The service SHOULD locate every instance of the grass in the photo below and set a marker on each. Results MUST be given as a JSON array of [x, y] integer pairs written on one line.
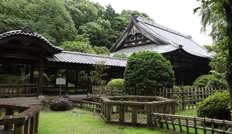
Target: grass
[[191, 112], [83, 122]]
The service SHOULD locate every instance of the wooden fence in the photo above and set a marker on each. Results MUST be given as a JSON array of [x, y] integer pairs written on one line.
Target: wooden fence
[[87, 105], [190, 124], [186, 97], [98, 91], [19, 119], [134, 109], [16, 90]]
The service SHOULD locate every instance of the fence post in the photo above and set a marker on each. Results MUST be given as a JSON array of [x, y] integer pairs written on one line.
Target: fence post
[[182, 98], [149, 114], [134, 115], [10, 126], [121, 113], [19, 128], [108, 112]]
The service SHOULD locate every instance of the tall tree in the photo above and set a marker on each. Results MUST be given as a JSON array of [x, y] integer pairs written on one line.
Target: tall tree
[[47, 17], [218, 14]]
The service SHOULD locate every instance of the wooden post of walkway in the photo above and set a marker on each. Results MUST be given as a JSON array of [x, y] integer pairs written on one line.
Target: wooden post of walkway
[[41, 72]]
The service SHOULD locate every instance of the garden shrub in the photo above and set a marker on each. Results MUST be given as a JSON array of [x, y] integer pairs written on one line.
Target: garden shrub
[[210, 80], [219, 83], [202, 81], [147, 71], [115, 84], [215, 106]]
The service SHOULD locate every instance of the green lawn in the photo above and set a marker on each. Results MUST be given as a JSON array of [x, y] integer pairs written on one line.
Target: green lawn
[[83, 122], [192, 112]]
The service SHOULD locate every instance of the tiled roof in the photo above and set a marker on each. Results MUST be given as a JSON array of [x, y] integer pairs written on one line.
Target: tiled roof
[[154, 31], [84, 58], [151, 47], [27, 32]]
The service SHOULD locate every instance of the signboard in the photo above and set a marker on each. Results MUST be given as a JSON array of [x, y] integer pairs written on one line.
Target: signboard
[[60, 81]]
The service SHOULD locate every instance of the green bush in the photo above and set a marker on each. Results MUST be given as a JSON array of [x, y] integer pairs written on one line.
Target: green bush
[[219, 83], [115, 84], [147, 71], [210, 80], [202, 81], [215, 106]]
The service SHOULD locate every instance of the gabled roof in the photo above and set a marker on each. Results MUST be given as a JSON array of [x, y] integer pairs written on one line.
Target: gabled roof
[[84, 58], [28, 33], [164, 39]]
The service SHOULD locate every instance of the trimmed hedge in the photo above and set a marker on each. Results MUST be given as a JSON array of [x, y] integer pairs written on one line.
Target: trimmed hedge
[[115, 84], [210, 80], [215, 106], [147, 71]]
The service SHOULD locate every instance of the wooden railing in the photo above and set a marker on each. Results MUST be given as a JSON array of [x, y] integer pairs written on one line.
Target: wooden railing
[[17, 119], [16, 90], [134, 109], [98, 91], [187, 97], [190, 124], [87, 105]]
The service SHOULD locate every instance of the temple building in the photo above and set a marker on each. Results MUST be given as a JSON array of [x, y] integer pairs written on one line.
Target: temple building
[[189, 59]]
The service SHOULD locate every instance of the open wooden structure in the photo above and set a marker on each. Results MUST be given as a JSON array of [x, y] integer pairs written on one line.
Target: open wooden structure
[[38, 63], [17, 119], [116, 109]]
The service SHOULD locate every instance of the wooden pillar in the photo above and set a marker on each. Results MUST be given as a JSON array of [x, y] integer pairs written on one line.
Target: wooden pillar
[[77, 80], [89, 83], [66, 84], [32, 74], [41, 72]]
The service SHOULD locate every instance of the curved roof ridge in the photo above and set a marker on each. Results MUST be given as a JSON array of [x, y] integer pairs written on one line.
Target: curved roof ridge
[[30, 34], [164, 38], [152, 23]]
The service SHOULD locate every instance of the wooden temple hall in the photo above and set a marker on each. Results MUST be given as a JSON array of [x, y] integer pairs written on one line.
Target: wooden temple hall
[[30, 64], [189, 59]]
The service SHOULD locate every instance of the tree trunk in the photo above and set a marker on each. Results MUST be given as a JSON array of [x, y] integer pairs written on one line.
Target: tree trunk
[[228, 13]]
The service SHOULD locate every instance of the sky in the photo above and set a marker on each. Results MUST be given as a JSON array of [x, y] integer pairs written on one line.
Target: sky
[[175, 14]]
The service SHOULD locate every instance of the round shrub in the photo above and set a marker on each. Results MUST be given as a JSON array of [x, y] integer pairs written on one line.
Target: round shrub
[[147, 71], [202, 81], [215, 106], [115, 84], [210, 80], [219, 83]]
